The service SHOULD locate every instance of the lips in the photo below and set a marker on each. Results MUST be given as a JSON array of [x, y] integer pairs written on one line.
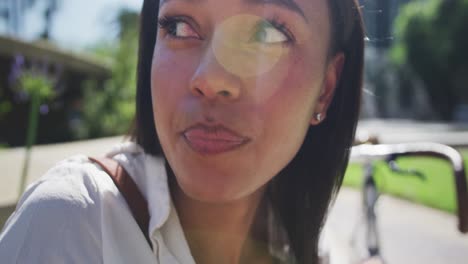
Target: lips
[[210, 140]]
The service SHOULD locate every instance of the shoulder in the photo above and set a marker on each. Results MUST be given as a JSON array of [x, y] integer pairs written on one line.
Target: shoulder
[[61, 212], [71, 183]]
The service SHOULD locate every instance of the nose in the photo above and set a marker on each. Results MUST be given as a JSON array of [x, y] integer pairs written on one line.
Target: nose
[[212, 81]]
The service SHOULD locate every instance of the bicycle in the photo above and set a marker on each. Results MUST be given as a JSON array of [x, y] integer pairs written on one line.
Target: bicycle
[[370, 193]]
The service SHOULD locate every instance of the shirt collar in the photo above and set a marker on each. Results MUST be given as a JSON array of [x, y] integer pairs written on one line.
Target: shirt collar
[[149, 174], [157, 192]]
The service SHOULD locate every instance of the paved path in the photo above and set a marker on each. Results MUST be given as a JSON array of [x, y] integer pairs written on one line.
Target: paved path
[[410, 233], [42, 158], [400, 131]]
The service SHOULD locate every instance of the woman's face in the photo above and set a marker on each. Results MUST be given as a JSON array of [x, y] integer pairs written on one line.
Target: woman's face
[[235, 85]]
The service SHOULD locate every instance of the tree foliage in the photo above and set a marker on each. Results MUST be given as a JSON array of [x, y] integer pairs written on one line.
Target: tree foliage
[[108, 108], [432, 38]]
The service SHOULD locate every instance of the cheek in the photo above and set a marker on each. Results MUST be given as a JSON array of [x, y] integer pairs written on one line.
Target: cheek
[[168, 72], [287, 112], [296, 78], [170, 75], [294, 86], [168, 82]]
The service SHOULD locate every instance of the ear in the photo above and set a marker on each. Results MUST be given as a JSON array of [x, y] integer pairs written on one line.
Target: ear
[[332, 77]]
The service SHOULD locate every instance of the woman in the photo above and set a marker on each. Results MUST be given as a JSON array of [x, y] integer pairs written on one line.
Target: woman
[[246, 111]]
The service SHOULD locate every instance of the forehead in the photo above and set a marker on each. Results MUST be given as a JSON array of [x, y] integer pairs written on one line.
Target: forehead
[[307, 9]]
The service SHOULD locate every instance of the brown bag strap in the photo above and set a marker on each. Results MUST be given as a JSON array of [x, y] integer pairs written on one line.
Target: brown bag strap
[[129, 190]]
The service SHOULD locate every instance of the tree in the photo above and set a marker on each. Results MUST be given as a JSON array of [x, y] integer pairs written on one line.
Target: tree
[[14, 14], [109, 109], [432, 38]]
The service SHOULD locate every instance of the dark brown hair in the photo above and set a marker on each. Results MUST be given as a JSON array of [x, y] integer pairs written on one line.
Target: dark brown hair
[[302, 191]]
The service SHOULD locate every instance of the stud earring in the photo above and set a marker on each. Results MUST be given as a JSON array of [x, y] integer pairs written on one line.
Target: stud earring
[[318, 117]]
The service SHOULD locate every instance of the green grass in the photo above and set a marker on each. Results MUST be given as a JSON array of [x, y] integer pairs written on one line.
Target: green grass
[[438, 190]]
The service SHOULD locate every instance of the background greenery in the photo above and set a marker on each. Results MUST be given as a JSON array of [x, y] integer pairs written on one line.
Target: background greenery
[[431, 38], [109, 110], [437, 191]]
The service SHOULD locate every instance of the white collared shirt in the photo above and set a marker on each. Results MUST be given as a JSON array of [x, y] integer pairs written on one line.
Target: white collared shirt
[[75, 214]]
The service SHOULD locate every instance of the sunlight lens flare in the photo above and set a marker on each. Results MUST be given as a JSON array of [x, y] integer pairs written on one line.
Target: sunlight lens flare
[[247, 45]]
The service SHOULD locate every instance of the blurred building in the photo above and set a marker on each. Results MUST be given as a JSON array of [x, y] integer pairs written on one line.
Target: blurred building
[[69, 73], [379, 16], [389, 92]]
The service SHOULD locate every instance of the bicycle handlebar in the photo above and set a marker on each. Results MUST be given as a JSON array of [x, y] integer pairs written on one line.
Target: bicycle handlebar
[[437, 150]]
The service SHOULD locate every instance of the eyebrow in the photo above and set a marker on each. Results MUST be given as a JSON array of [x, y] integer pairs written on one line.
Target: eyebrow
[[288, 4]]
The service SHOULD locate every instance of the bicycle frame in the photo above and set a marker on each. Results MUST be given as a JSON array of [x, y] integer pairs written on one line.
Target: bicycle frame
[[390, 153]]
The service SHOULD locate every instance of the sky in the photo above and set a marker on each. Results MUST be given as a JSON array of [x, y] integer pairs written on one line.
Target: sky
[[79, 24]]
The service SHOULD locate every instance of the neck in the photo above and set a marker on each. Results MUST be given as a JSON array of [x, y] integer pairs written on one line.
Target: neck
[[221, 232]]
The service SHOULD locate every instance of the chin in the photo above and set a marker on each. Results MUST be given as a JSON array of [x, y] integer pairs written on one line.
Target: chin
[[223, 178], [212, 189], [210, 193]]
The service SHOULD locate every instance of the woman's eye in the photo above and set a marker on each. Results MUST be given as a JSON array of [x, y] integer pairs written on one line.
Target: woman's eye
[[268, 33], [177, 28]]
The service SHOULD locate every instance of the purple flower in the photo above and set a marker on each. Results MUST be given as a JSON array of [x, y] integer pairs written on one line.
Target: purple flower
[[41, 68], [16, 69], [44, 109]]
